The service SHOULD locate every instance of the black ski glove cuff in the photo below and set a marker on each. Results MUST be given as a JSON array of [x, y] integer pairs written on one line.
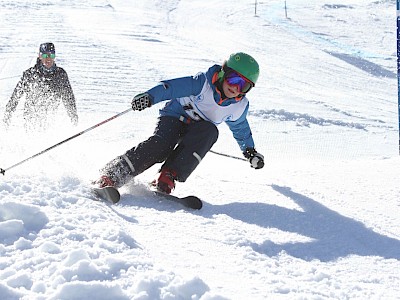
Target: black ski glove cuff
[[256, 159]]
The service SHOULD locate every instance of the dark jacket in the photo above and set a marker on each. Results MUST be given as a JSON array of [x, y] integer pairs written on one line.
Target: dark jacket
[[44, 91]]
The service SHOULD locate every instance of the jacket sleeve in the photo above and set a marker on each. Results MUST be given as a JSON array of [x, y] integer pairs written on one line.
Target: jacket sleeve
[[19, 90], [241, 131], [176, 88], [67, 96]]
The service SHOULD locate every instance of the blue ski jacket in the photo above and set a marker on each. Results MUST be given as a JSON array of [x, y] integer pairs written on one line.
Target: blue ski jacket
[[179, 89]]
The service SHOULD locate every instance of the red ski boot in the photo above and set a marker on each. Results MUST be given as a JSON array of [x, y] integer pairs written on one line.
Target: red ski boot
[[166, 181]]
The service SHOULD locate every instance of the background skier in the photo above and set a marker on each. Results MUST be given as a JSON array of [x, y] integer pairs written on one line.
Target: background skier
[[44, 86]]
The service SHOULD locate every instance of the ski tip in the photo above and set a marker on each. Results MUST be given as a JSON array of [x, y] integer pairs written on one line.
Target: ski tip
[[198, 205], [193, 202], [108, 193]]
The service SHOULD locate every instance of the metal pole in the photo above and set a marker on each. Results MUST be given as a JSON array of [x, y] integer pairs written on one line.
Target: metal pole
[[227, 155], [398, 63], [285, 10], [2, 171]]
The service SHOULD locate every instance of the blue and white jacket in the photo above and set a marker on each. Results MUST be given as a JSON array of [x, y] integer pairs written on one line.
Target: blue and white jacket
[[197, 98]]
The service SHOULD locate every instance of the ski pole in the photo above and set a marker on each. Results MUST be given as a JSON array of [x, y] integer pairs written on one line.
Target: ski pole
[[227, 155], [2, 171]]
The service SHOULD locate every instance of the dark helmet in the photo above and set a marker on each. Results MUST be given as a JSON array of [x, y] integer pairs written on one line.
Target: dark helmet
[[47, 48], [245, 65]]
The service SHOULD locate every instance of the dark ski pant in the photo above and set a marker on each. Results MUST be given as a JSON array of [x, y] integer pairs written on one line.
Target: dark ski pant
[[179, 145]]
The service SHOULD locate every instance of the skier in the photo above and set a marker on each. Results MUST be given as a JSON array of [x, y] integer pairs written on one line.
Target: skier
[[44, 85], [186, 129]]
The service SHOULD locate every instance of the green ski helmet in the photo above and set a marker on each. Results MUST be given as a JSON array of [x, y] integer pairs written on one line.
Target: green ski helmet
[[243, 64]]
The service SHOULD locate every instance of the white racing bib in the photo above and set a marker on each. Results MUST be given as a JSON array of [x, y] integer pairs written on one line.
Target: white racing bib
[[203, 106]]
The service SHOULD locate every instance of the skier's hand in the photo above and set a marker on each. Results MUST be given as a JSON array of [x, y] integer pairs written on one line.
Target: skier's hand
[[141, 101], [256, 159]]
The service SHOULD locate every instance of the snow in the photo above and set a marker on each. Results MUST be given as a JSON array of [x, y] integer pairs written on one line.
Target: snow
[[319, 221]]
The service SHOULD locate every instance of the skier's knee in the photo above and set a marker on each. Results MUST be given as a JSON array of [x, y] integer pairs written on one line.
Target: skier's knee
[[208, 131]]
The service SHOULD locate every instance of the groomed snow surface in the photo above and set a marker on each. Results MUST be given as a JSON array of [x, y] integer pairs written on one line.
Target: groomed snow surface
[[319, 221]]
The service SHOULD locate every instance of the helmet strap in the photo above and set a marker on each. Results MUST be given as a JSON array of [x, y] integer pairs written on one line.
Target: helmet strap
[[221, 75]]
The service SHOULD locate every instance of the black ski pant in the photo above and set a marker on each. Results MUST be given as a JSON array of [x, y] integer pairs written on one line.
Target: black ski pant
[[179, 146]]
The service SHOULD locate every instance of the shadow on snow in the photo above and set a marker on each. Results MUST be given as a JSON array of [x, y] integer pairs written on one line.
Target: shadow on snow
[[334, 235]]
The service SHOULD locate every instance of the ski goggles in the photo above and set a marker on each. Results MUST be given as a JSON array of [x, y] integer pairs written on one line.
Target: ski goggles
[[234, 78], [48, 55]]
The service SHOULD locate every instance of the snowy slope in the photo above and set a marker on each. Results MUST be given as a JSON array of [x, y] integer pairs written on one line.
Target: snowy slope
[[320, 221]]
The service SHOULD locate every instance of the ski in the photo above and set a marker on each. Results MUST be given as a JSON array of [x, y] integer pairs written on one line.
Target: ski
[[111, 194], [188, 201], [108, 193]]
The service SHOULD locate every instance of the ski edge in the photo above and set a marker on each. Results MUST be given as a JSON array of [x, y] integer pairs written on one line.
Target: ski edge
[[191, 201]]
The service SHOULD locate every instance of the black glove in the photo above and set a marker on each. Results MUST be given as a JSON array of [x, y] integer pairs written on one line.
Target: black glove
[[141, 101], [256, 159]]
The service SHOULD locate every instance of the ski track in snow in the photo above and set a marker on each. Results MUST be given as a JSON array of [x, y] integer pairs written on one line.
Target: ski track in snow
[[320, 221]]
